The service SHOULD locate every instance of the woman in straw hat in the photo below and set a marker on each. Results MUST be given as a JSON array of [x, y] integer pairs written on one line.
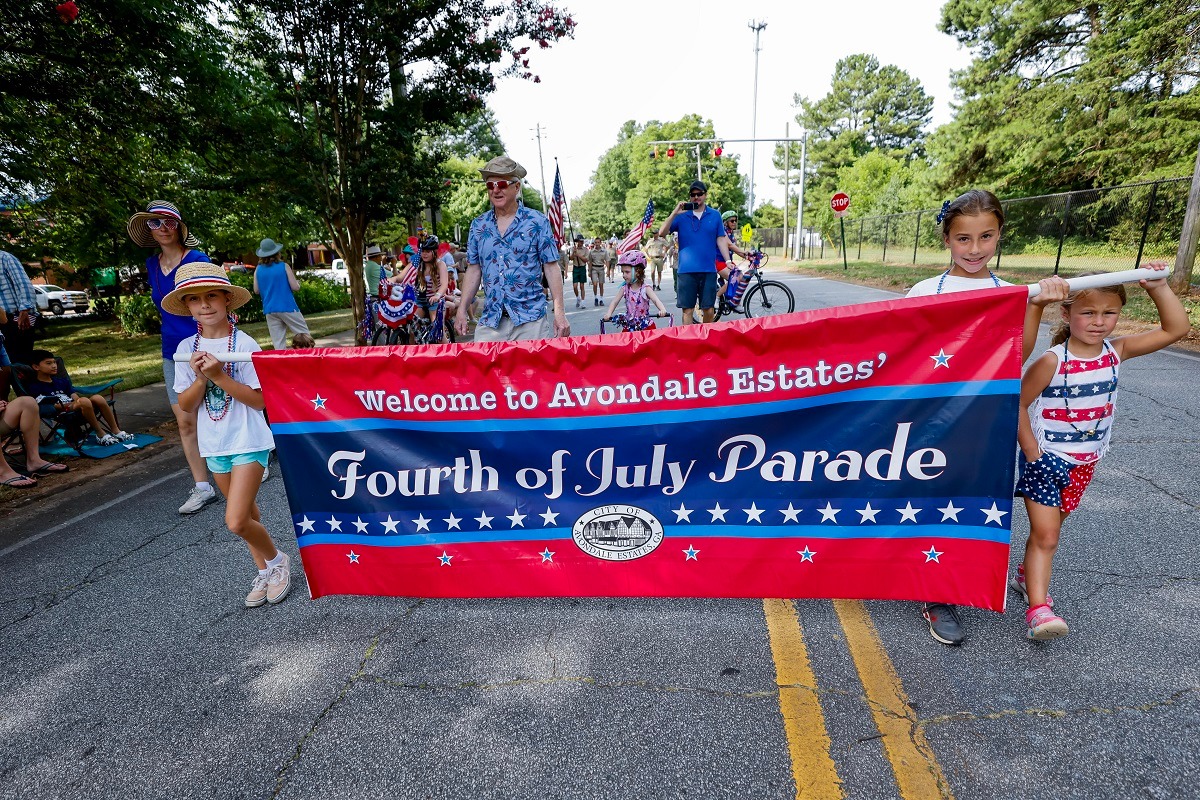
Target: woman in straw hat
[[232, 434], [160, 226], [275, 281]]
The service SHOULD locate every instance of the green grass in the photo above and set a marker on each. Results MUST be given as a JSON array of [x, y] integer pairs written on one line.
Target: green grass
[[898, 277], [96, 351]]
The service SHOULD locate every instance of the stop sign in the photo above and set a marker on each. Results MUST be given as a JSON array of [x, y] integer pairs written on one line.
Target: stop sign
[[840, 203]]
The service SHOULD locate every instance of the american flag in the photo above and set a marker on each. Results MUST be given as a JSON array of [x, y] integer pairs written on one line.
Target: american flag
[[634, 238], [557, 203]]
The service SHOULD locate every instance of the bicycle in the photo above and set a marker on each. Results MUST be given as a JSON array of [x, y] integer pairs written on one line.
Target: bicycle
[[629, 324], [763, 298]]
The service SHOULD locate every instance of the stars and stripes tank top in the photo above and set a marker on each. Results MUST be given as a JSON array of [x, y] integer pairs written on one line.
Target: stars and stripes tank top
[[1073, 417]]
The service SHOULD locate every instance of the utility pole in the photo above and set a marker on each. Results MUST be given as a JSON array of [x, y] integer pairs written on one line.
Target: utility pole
[[800, 204], [756, 26], [787, 184], [1188, 237], [542, 170]]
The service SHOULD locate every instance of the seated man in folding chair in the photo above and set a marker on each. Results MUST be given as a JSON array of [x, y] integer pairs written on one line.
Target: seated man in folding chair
[[54, 393], [21, 415]]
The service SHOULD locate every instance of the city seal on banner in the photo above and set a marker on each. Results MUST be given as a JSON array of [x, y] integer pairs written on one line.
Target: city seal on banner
[[617, 532]]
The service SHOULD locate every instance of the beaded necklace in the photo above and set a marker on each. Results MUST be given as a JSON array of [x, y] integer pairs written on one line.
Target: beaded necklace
[[227, 368], [942, 280], [1112, 365]]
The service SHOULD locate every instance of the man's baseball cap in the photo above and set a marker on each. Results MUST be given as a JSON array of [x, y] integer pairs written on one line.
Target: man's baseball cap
[[698, 186], [579, 237], [502, 167]]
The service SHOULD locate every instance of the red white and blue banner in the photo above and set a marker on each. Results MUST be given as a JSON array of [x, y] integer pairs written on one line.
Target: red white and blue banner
[[856, 452]]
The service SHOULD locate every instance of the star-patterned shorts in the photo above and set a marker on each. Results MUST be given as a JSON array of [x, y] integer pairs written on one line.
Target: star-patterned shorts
[[1054, 481]]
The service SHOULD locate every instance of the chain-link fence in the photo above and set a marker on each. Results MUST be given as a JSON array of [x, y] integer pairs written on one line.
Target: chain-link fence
[[1108, 229]]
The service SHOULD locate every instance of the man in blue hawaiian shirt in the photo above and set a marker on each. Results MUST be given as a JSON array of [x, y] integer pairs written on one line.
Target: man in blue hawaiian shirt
[[510, 249]]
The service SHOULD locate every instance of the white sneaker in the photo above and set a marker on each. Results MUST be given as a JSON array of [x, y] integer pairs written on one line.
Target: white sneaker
[[266, 473], [122, 436], [107, 440], [198, 499], [279, 580], [258, 592]]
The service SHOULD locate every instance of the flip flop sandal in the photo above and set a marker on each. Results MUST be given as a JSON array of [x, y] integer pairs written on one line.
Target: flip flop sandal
[[19, 482], [50, 469]]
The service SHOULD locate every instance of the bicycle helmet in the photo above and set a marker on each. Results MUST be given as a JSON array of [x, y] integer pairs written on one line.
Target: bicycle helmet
[[728, 215], [632, 258], [430, 243]]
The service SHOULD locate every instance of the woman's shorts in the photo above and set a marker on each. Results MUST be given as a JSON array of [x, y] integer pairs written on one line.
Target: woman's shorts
[[221, 465], [697, 287], [169, 377], [1053, 481]]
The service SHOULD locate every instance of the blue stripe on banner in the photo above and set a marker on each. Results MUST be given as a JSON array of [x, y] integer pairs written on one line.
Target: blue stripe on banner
[[988, 534], [689, 415]]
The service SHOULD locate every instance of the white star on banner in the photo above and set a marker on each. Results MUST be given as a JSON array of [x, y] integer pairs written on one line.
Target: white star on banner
[[452, 522], [932, 555], [690, 554], [517, 520], [718, 512], [353, 556], [318, 403], [806, 555], [359, 525], [445, 559], [908, 512], [790, 513], [306, 525], [390, 525], [682, 514], [994, 514], [550, 517], [422, 523], [942, 359], [335, 524], [829, 513], [484, 520], [867, 513], [753, 513], [950, 511], [547, 556]]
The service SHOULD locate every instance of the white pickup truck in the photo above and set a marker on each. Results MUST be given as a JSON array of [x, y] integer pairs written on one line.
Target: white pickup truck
[[58, 301], [336, 272]]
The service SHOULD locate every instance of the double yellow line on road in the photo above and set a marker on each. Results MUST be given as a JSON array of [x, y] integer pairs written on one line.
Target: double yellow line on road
[[918, 776]]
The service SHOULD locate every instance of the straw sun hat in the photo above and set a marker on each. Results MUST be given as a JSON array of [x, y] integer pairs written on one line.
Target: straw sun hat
[[159, 209], [197, 278]]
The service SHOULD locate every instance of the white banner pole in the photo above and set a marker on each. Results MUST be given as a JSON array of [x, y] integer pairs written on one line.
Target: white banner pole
[[1107, 279], [183, 358]]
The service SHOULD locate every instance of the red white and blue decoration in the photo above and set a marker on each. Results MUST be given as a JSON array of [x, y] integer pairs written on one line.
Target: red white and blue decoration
[[857, 452]]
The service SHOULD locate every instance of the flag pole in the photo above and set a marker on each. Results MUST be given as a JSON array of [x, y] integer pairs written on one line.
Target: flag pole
[[566, 205]]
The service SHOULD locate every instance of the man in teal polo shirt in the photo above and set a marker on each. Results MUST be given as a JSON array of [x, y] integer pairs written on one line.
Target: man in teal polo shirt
[[702, 242]]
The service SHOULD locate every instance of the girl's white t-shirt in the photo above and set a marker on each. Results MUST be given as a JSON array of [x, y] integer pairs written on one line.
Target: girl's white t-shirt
[[242, 429], [954, 283]]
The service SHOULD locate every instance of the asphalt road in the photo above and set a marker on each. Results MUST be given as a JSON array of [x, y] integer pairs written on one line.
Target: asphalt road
[[132, 669]]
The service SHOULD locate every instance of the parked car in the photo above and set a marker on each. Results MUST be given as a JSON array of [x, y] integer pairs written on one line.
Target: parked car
[[336, 272], [58, 301]]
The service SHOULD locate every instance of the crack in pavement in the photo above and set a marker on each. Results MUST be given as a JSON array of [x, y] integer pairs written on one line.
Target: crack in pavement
[[1059, 713], [1184, 500], [281, 774], [1157, 401], [578, 680]]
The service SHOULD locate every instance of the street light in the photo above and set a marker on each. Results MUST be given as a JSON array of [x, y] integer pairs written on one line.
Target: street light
[[757, 27]]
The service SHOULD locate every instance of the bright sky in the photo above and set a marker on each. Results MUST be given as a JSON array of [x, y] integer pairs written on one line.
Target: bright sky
[[627, 62]]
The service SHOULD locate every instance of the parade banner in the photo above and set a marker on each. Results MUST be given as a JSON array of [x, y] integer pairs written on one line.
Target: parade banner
[[855, 452]]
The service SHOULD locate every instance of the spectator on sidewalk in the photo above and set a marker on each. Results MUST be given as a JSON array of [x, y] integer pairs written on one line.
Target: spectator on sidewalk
[[161, 226], [275, 281], [18, 312], [22, 415], [54, 393]]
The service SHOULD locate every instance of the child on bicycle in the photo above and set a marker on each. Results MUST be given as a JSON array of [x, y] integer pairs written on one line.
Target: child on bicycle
[[1071, 392], [637, 295], [233, 435], [433, 281]]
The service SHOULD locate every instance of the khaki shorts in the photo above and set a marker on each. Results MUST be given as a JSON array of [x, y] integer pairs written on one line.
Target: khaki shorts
[[507, 332], [597, 274]]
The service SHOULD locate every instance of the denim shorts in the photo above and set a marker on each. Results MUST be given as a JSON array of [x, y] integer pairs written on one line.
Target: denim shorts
[[697, 286], [220, 465], [4, 362]]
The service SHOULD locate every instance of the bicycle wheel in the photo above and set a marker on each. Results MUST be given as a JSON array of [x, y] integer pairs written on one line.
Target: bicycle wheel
[[767, 299], [397, 336], [381, 336]]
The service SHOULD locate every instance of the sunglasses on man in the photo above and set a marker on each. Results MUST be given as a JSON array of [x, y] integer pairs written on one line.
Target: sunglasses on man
[[155, 224], [493, 186], [697, 194]]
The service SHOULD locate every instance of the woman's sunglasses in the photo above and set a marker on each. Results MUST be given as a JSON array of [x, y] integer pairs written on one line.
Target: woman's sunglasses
[[155, 224], [498, 185]]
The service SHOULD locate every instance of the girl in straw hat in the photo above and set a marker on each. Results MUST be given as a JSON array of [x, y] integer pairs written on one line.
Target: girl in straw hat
[[232, 434], [160, 226]]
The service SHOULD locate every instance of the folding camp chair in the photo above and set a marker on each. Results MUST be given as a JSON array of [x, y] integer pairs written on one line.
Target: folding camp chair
[[70, 425]]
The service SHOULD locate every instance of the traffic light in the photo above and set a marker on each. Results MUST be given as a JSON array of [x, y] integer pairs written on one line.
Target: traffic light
[[717, 151], [670, 152]]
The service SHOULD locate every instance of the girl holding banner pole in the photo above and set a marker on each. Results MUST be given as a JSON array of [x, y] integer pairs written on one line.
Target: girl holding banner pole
[[971, 226], [1071, 392]]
